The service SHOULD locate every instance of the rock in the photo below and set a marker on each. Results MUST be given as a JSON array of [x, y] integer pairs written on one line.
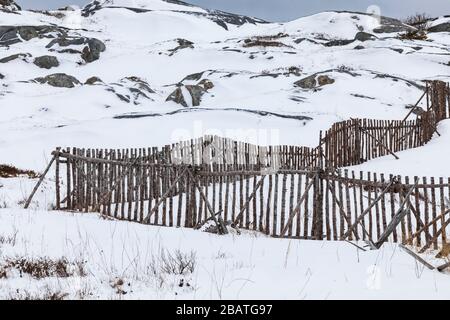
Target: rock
[[397, 50], [14, 57], [46, 62], [10, 35], [67, 41], [91, 51], [335, 43], [2, 76], [177, 97], [182, 44], [60, 80], [9, 5], [69, 51], [364, 36], [324, 80], [196, 93], [307, 83], [359, 47], [193, 77], [443, 27], [93, 80], [206, 84]]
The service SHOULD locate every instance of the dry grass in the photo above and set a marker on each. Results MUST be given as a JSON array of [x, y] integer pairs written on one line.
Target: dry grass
[[47, 294], [9, 239], [43, 267], [8, 171], [249, 43], [413, 35]]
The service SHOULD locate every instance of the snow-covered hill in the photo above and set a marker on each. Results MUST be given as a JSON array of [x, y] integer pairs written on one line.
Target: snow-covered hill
[[140, 73], [73, 77]]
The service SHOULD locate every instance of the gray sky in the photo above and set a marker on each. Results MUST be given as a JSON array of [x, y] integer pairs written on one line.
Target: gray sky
[[283, 10]]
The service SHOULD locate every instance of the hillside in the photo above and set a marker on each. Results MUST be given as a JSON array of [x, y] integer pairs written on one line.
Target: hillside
[[141, 73], [118, 61]]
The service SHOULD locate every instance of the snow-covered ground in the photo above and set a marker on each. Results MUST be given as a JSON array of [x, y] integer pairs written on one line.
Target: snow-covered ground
[[247, 266], [241, 67]]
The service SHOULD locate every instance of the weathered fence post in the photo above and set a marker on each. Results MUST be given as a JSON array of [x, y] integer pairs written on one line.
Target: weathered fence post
[[57, 186]]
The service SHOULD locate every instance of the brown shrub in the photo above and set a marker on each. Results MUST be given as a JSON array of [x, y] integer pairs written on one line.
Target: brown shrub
[[7, 171], [45, 267], [413, 35], [248, 43]]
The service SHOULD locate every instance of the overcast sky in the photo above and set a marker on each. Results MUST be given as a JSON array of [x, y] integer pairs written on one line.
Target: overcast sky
[[283, 10]]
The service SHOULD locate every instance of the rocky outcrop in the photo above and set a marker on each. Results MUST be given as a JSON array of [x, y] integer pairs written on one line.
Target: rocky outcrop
[[182, 44], [10, 35], [307, 83], [335, 43], [21, 56], [443, 27], [92, 47], [46, 62], [93, 80], [314, 81], [129, 89], [59, 80], [9, 5], [324, 80], [195, 91], [364, 36], [360, 36]]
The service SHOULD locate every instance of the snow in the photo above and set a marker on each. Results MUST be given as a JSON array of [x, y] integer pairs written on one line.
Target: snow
[[247, 266], [374, 82]]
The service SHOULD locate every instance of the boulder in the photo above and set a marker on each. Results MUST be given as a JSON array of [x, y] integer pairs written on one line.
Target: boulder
[[2, 76], [59, 80], [93, 80], [307, 83], [443, 27], [324, 80], [364, 36], [177, 97], [336, 43], [14, 57], [46, 62], [91, 51], [206, 84], [9, 5], [182, 44], [196, 93]]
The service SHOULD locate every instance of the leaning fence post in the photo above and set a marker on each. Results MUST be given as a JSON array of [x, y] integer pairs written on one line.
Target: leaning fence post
[[36, 187]]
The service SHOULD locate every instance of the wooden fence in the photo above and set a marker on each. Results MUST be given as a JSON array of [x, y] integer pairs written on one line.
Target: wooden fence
[[356, 141], [301, 204], [282, 191], [346, 143]]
